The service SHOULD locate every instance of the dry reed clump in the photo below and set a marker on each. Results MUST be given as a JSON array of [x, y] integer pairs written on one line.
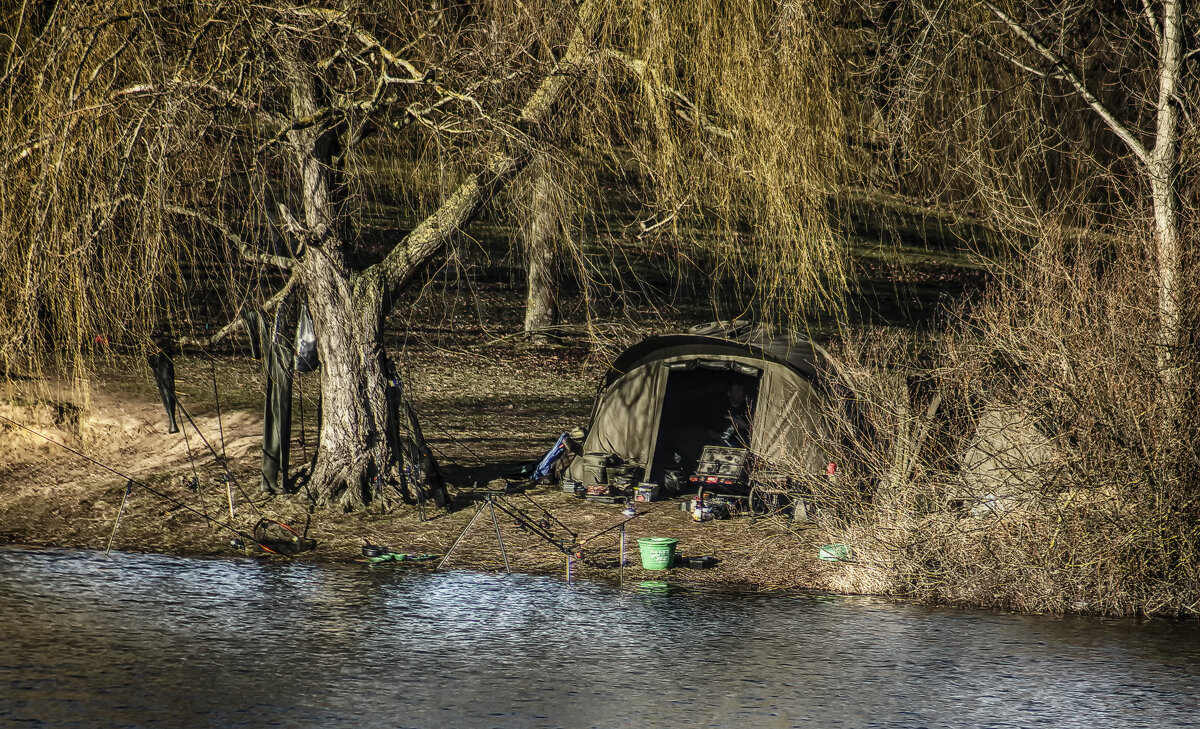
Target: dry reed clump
[[1019, 464]]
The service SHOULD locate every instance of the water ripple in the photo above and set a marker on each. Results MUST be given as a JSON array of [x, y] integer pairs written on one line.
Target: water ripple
[[159, 641]]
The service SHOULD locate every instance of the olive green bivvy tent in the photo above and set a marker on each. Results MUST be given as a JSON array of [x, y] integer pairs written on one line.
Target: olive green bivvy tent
[[667, 397]]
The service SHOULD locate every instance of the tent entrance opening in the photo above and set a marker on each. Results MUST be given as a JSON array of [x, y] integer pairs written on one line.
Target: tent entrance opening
[[709, 404]]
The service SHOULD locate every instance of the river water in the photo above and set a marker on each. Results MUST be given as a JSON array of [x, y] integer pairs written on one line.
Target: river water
[[157, 641]]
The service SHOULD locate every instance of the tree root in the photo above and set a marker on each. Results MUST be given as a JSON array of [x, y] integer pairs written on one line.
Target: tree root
[[354, 485]]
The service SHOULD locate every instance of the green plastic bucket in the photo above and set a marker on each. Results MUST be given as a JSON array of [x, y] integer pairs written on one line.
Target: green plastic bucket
[[658, 553]]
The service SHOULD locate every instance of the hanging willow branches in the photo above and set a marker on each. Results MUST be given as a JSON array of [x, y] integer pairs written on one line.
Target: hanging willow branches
[[733, 114], [145, 151]]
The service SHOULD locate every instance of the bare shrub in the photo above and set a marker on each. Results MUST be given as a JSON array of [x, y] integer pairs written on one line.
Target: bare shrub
[[1049, 383]]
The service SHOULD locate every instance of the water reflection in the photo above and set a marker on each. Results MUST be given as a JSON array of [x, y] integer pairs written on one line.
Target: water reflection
[[148, 640]]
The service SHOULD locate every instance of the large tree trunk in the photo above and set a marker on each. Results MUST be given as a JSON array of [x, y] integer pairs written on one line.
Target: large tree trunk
[[541, 259], [357, 461]]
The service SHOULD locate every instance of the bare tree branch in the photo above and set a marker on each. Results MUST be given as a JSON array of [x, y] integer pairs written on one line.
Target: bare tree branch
[[504, 162], [1072, 78], [25, 151], [226, 97], [238, 324], [303, 235], [242, 244], [369, 42], [1148, 13], [684, 107]]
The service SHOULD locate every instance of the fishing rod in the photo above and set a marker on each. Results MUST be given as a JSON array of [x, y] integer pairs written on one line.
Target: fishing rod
[[221, 430], [217, 399], [623, 522], [549, 515], [131, 480], [230, 477], [527, 523], [195, 482], [619, 525], [221, 460]]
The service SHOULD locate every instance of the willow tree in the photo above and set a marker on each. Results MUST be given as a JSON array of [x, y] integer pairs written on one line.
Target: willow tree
[[144, 138]]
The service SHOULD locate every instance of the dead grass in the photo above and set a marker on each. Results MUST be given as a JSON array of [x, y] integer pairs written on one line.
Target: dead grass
[[482, 410], [1049, 480]]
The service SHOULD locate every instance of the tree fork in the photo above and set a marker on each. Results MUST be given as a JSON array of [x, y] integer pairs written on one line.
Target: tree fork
[[354, 464], [1160, 164]]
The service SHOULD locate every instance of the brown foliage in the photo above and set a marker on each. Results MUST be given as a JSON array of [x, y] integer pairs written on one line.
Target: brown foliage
[[1041, 483]]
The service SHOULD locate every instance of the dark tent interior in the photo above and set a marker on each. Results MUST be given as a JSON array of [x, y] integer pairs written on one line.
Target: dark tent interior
[[696, 411]]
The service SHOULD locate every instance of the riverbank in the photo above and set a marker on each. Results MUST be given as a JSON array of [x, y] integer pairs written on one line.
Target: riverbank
[[485, 403], [484, 408], [482, 412]]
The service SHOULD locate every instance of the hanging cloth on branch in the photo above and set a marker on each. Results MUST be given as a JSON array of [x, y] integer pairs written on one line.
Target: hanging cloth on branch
[[164, 376], [277, 419], [254, 331], [306, 343]]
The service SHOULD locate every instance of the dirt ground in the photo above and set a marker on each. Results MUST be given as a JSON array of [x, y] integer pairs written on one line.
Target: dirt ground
[[483, 410], [485, 403]]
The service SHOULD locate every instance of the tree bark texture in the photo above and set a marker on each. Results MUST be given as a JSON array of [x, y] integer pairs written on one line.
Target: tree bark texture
[[1163, 169], [541, 260], [357, 463]]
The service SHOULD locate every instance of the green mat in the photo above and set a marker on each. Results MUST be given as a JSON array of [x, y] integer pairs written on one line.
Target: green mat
[[401, 557]]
